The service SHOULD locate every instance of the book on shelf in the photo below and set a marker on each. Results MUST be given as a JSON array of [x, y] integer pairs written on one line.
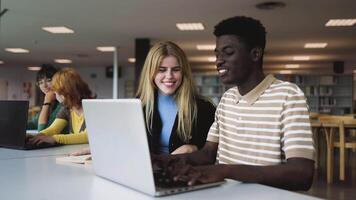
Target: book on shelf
[[326, 80]]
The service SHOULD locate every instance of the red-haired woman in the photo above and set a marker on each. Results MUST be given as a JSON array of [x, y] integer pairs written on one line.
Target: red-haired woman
[[70, 89]]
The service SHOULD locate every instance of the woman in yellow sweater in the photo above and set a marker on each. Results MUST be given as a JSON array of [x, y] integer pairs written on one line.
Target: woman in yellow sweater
[[70, 89]]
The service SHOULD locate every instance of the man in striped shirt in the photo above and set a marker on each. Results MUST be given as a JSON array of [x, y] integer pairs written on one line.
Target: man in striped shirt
[[262, 131]]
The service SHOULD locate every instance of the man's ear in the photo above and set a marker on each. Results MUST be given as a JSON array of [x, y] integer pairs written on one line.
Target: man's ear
[[256, 54]]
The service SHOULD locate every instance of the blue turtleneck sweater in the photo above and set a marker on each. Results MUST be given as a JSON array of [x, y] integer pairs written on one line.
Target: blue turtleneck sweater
[[167, 108]]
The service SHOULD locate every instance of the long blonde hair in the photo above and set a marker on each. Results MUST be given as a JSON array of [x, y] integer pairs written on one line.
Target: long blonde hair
[[185, 95]]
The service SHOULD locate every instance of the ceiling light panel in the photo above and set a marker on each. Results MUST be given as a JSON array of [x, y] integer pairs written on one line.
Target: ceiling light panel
[[58, 29], [106, 49], [17, 50], [206, 47], [285, 72], [212, 59], [131, 60], [34, 68], [190, 26], [292, 66], [315, 45], [301, 58], [341, 22], [62, 61]]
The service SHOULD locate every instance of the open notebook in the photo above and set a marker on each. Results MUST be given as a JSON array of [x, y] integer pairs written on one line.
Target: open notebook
[[83, 159]]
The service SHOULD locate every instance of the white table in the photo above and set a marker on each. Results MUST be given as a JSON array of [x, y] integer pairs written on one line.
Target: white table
[[53, 151], [40, 177]]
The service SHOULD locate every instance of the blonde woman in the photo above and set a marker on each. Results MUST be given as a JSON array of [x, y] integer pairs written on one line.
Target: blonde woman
[[177, 118], [69, 89]]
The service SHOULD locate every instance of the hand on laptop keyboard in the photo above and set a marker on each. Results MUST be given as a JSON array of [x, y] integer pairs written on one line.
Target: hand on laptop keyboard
[[165, 169], [40, 138], [172, 169]]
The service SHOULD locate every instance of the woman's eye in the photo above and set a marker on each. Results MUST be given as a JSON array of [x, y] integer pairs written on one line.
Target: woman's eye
[[176, 69]]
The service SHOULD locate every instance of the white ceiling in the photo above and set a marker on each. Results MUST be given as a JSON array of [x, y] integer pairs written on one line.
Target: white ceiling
[[119, 22]]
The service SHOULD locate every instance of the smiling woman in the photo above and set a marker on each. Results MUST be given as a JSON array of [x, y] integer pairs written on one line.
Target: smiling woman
[[177, 118]]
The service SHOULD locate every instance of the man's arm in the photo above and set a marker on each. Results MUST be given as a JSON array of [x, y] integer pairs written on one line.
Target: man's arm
[[295, 174]]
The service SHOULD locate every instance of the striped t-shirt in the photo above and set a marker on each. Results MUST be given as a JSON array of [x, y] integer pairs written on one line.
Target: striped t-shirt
[[264, 127]]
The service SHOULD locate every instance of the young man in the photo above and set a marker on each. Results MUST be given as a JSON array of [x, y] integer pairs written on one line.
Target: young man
[[261, 133]]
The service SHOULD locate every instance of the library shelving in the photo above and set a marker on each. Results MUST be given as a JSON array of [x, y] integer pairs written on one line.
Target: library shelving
[[329, 94]]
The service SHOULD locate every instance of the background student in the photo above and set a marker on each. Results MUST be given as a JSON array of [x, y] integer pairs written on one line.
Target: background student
[[69, 89], [177, 118], [50, 105]]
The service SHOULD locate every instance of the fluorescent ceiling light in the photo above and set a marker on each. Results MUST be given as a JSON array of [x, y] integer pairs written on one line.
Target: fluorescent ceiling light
[[106, 49], [17, 50], [57, 29], [301, 58], [315, 45], [34, 68], [132, 60], [292, 66], [341, 22], [285, 72], [62, 61], [1, 62], [205, 47], [190, 26], [212, 59]]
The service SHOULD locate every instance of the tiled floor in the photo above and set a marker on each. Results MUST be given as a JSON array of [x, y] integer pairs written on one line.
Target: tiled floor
[[343, 190]]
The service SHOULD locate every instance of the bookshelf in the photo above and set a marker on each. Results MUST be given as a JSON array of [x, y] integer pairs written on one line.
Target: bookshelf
[[329, 94], [210, 86]]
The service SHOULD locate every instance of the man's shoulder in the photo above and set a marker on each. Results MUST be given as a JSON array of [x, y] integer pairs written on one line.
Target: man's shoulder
[[285, 85], [231, 91]]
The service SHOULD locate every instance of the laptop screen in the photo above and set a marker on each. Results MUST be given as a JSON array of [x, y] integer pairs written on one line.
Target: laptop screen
[[13, 120]]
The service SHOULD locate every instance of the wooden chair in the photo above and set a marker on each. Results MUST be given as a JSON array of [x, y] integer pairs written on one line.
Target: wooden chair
[[331, 125]]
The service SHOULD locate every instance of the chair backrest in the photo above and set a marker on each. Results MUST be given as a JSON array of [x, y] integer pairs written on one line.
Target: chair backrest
[[336, 118]]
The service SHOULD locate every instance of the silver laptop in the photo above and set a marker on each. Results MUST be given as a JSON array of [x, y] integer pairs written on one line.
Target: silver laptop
[[119, 145]]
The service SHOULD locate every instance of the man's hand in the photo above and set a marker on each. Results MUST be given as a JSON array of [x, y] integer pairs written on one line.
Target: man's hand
[[40, 138], [187, 148], [200, 174], [163, 162]]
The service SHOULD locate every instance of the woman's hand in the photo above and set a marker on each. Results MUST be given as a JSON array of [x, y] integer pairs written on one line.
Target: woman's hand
[[187, 148], [50, 97], [40, 138]]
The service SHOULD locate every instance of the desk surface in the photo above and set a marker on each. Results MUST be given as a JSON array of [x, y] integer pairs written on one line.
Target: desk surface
[[53, 151], [34, 178]]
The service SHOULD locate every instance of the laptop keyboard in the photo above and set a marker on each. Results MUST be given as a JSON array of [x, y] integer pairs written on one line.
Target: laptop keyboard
[[164, 181], [39, 146]]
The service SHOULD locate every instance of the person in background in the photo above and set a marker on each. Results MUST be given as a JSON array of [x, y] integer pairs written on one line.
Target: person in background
[[50, 105], [177, 118], [69, 89], [261, 133]]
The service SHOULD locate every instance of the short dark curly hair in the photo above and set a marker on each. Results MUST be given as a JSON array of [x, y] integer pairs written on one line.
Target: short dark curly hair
[[249, 30]]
